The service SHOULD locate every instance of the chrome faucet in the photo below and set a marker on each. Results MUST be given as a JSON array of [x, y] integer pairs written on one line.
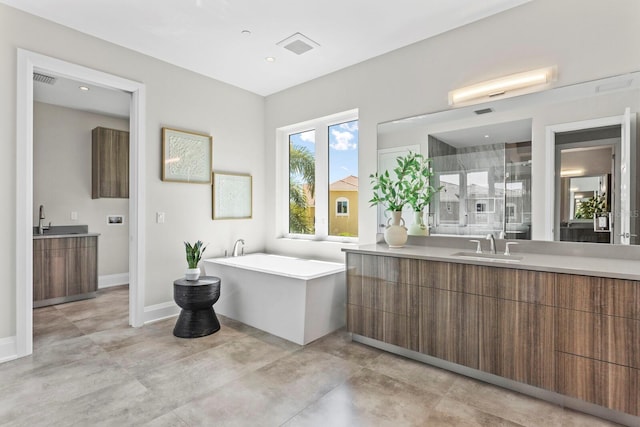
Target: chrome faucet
[[493, 242], [42, 228], [236, 246]]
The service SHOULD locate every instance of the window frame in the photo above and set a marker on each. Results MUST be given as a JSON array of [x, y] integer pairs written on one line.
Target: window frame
[[346, 202], [322, 207]]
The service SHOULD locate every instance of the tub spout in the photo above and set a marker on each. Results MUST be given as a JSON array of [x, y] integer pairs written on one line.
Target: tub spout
[[238, 248]]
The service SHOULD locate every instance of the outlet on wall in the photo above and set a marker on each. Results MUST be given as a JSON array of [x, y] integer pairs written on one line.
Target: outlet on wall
[[74, 215], [160, 217]]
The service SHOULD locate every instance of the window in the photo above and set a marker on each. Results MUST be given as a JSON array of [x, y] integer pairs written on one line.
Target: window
[[321, 198], [342, 206]]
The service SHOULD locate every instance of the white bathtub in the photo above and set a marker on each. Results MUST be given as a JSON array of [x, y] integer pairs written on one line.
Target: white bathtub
[[296, 299]]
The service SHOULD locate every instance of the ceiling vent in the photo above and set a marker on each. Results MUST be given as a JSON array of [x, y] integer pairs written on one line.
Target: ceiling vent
[[484, 111], [43, 78], [298, 44]]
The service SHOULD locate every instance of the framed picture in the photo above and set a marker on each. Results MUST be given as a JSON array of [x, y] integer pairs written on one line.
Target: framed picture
[[186, 156], [115, 219], [231, 196]]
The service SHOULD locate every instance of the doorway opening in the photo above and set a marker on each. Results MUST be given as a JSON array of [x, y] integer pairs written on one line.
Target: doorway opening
[[588, 185], [28, 63]]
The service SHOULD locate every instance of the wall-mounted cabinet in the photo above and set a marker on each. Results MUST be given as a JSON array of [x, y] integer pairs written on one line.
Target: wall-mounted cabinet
[[109, 163]]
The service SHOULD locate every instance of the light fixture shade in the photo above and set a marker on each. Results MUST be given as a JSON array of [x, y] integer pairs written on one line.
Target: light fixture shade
[[512, 83]]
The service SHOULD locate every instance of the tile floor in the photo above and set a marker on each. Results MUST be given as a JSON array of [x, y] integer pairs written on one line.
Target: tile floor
[[90, 369]]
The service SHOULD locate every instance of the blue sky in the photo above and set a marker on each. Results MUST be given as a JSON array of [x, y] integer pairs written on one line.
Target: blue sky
[[343, 148]]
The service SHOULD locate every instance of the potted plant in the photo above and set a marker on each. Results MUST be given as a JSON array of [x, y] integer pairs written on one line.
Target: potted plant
[[194, 255], [391, 192], [419, 190]]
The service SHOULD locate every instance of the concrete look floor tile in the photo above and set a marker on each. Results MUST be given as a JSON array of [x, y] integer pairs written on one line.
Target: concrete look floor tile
[[54, 355], [123, 336], [415, 373], [456, 414], [126, 404], [58, 386], [340, 345], [573, 418], [54, 331], [204, 372], [101, 322], [369, 399], [170, 419], [504, 403], [272, 394]]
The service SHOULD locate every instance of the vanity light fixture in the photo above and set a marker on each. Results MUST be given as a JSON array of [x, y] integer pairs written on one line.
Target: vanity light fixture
[[514, 82], [571, 172], [83, 88]]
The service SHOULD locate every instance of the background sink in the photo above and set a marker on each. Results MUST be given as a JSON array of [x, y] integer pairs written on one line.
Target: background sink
[[57, 230]]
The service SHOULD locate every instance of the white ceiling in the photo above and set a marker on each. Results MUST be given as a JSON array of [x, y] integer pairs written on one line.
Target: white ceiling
[[205, 35]]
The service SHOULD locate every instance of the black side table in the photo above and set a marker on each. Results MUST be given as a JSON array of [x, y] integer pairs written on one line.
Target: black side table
[[196, 299]]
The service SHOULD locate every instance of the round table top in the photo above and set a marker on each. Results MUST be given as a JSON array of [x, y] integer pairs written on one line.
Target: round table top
[[202, 281]]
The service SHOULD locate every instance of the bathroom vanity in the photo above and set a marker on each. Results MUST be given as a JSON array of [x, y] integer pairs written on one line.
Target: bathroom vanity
[[65, 267], [559, 327]]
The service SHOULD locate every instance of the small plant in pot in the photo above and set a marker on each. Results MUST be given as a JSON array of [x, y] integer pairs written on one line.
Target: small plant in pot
[[194, 255], [419, 191]]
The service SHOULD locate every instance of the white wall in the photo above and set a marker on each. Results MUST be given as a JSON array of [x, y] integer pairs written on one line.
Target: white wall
[[585, 39], [176, 98], [62, 180]]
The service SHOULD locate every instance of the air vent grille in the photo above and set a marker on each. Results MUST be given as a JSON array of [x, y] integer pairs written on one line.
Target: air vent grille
[[484, 111], [298, 44], [43, 78]]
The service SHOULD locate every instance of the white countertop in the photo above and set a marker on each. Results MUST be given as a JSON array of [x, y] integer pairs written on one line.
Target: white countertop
[[63, 236], [588, 266]]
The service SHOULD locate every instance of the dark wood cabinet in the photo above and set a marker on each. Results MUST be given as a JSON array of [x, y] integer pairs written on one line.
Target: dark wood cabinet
[[572, 334], [109, 163], [64, 268]]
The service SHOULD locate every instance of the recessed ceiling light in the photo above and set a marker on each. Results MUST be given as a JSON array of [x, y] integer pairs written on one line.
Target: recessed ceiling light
[[84, 88], [270, 59], [245, 32], [486, 136]]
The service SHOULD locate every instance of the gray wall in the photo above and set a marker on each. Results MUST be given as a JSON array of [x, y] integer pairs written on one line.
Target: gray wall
[[417, 79], [175, 98]]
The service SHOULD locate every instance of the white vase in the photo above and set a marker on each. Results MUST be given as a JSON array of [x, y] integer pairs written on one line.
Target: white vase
[[192, 274], [418, 228], [395, 234]]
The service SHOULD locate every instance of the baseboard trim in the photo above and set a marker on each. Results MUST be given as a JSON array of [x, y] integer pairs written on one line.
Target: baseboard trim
[[156, 312], [8, 349], [109, 280]]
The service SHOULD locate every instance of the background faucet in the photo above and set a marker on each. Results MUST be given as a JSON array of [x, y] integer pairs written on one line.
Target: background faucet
[[237, 246], [493, 242], [42, 228]]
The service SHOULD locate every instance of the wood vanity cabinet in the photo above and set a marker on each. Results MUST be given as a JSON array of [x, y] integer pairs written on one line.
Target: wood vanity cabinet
[[575, 335], [109, 163], [64, 268]]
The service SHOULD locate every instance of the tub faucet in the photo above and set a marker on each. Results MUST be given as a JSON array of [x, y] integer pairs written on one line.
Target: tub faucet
[[493, 242], [237, 246], [42, 228]]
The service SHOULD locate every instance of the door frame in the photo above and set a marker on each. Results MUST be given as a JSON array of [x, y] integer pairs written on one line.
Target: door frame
[[550, 161], [27, 62]]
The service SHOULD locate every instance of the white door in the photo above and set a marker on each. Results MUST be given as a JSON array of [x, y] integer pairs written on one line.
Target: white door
[[387, 161]]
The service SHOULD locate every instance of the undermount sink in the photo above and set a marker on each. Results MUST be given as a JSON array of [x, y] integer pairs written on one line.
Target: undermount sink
[[488, 257]]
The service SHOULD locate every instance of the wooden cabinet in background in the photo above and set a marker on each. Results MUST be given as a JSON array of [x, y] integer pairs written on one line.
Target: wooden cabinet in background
[[109, 163], [64, 269]]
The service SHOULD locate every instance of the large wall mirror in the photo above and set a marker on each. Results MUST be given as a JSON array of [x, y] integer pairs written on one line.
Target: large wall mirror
[[560, 164]]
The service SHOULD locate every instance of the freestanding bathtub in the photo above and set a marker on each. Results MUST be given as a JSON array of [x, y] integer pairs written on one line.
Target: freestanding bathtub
[[296, 299]]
